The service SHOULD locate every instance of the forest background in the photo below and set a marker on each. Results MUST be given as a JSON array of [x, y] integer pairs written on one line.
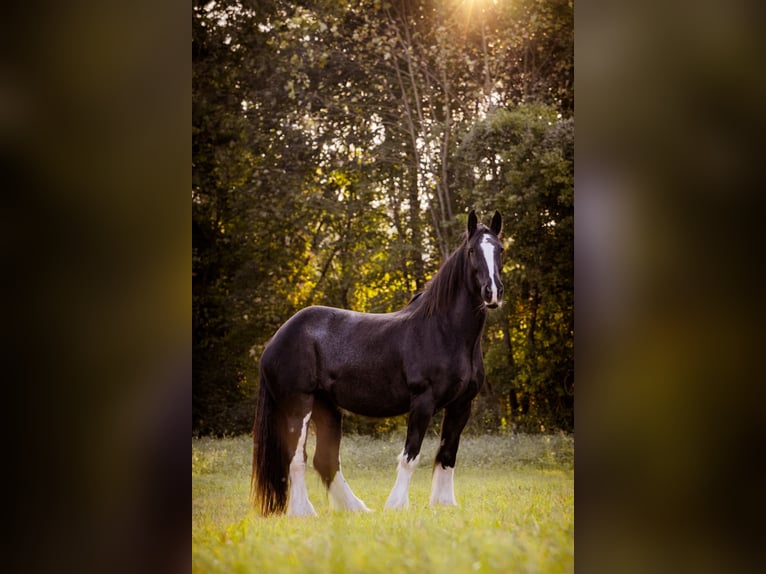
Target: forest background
[[337, 149]]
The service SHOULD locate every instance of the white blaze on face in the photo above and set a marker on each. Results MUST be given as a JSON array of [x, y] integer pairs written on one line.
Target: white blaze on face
[[488, 249], [299, 504]]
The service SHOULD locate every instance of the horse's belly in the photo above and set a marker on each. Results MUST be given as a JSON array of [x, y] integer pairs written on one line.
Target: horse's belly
[[369, 395]]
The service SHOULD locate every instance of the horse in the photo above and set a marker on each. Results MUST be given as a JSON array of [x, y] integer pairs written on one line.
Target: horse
[[423, 358]]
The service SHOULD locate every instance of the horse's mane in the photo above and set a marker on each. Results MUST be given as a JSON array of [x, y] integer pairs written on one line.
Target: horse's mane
[[440, 291]]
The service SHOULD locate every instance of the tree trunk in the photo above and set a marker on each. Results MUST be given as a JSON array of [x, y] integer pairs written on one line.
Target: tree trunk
[[416, 229]]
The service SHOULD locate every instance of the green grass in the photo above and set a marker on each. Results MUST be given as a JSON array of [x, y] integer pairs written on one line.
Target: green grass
[[516, 513]]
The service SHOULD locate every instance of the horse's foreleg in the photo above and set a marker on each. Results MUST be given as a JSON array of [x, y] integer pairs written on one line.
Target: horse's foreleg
[[421, 412], [298, 503], [327, 457], [442, 484]]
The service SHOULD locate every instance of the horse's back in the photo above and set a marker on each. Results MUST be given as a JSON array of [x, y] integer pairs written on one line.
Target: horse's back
[[312, 330], [343, 353]]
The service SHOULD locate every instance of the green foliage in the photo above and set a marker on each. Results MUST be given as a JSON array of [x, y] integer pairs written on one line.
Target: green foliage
[[516, 513], [521, 161], [336, 147]]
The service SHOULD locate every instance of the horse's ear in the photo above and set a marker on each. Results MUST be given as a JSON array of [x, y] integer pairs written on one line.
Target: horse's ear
[[497, 223], [472, 223]]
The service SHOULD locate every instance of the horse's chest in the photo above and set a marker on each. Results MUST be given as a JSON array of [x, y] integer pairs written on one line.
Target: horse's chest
[[449, 373]]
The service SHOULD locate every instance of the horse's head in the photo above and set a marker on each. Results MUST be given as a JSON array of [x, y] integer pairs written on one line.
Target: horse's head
[[485, 257]]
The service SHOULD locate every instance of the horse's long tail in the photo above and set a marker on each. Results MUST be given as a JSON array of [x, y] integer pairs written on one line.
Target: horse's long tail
[[268, 481]]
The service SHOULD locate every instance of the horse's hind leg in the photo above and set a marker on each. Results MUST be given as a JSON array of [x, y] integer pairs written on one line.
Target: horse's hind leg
[[327, 457], [298, 415], [442, 484]]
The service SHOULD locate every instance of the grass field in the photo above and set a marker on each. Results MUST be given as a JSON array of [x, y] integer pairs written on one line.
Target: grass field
[[516, 513]]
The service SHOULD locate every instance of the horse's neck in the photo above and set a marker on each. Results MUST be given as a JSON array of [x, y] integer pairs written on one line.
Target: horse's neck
[[468, 316]]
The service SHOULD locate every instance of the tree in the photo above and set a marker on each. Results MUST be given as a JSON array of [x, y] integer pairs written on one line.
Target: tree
[[521, 161], [337, 147]]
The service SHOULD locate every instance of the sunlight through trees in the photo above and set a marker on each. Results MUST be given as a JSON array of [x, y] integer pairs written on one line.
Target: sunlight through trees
[[337, 148]]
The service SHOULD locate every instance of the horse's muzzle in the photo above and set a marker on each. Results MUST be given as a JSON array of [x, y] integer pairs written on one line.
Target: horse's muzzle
[[493, 295]]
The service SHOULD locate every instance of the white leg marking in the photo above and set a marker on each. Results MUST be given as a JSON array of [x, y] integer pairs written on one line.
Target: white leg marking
[[399, 497], [341, 496], [489, 256], [443, 486], [299, 504]]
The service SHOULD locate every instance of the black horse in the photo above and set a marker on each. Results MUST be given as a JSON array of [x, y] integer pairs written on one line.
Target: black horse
[[418, 360]]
